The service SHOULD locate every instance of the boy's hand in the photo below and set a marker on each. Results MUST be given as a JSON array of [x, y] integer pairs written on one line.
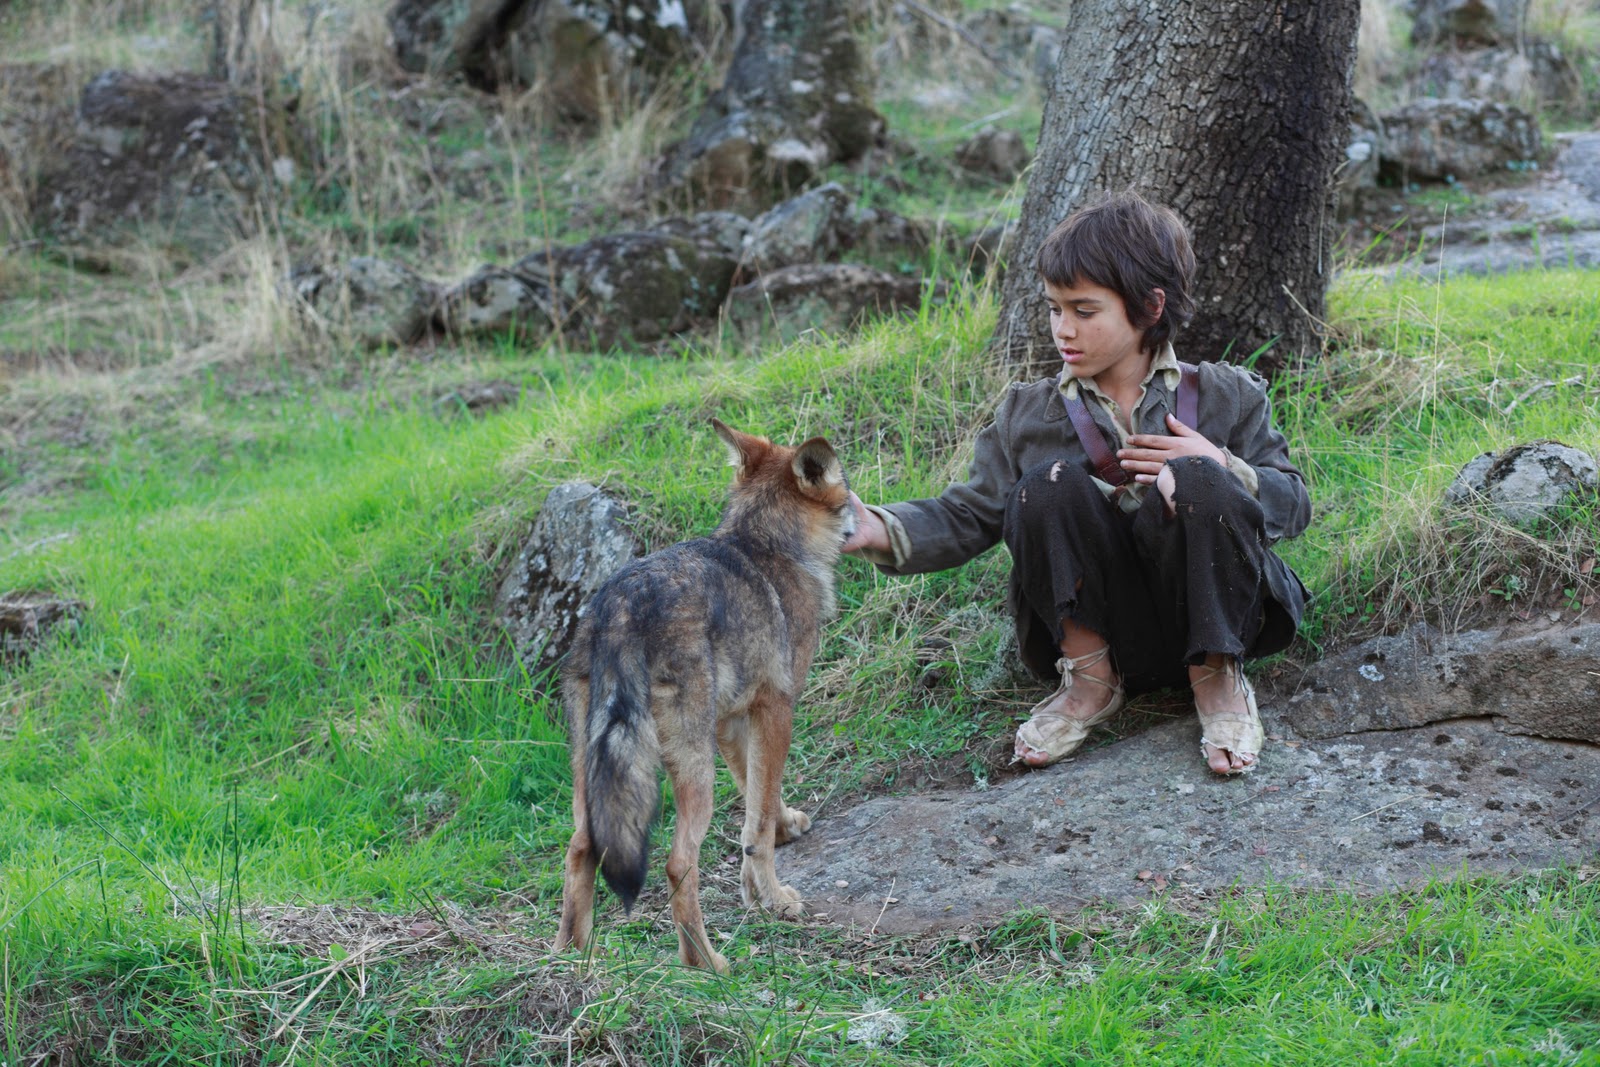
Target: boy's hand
[[870, 530], [1149, 452]]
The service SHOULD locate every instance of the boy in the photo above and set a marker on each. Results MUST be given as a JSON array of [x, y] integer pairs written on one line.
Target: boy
[[1167, 579]]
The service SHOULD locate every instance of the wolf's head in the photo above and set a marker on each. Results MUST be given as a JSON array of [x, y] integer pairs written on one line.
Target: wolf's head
[[798, 495]]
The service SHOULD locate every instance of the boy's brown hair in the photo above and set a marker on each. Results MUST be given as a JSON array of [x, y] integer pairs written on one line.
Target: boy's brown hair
[[1132, 247]]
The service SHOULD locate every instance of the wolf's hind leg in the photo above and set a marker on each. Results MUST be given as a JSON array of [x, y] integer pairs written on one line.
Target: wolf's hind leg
[[693, 775], [771, 728], [577, 888]]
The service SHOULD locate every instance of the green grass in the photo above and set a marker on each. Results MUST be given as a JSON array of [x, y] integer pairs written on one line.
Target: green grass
[[288, 693], [286, 797]]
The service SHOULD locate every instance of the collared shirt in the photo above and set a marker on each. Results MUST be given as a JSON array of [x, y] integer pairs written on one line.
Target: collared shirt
[[1164, 363]]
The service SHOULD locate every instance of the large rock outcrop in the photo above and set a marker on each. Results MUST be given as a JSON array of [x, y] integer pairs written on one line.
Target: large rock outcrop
[[588, 56], [797, 97], [1479, 22], [580, 539], [1458, 139], [631, 287], [174, 161]]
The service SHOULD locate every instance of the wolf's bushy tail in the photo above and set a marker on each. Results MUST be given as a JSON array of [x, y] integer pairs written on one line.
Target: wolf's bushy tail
[[621, 758]]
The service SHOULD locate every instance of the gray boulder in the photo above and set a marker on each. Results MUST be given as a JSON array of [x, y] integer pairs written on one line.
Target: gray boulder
[[1527, 483], [580, 539], [809, 228], [377, 301], [881, 234], [640, 286], [1358, 173], [587, 56], [830, 297], [724, 230], [1442, 139], [495, 301], [797, 97], [1468, 485], [1482, 22], [1537, 75], [176, 161]]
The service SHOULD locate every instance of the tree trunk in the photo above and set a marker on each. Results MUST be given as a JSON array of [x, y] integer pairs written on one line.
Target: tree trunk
[[797, 97], [1232, 112]]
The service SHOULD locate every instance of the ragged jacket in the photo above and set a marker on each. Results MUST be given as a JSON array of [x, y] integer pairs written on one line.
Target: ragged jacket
[[1031, 427]]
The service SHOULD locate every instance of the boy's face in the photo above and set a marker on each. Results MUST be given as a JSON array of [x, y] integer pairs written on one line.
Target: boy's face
[[1091, 329]]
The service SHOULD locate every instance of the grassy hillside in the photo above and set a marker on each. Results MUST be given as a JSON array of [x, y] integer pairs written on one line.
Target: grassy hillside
[[287, 747], [287, 798]]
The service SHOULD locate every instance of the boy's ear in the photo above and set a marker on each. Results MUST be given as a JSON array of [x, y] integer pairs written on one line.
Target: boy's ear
[[1156, 304], [817, 467], [744, 450]]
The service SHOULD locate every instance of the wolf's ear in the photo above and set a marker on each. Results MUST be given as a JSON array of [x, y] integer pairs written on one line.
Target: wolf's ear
[[744, 450], [816, 467]]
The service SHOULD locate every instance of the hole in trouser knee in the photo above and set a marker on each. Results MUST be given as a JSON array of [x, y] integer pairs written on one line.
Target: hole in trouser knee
[[1055, 471]]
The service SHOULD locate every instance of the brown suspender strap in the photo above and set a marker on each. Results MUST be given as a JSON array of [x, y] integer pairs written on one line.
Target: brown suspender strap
[[1106, 467], [1104, 461]]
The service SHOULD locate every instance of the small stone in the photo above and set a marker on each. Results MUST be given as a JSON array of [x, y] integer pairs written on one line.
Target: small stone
[[841, 884]]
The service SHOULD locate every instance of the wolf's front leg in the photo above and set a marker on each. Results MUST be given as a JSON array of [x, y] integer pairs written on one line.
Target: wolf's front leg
[[733, 740], [771, 726]]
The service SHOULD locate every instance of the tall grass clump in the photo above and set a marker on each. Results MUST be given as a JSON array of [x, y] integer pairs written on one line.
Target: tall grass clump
[[1424, 378]]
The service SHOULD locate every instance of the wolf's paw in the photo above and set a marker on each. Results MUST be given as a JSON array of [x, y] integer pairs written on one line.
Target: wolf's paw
[[786, 904], [706, 958], [793, 824]]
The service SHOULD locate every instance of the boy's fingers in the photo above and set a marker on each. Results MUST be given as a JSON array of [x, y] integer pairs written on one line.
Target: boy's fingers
[[1150, 442]]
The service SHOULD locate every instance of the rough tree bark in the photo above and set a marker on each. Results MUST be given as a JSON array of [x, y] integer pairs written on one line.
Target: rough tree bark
[[797, 96], [1234, 113]]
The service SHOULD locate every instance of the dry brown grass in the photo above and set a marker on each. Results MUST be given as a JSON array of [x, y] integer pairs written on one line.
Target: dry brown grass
[[1380, 49], [1573, 24]]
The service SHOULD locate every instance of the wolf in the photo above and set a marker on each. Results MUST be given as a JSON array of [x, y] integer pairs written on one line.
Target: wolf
[[699, 648]]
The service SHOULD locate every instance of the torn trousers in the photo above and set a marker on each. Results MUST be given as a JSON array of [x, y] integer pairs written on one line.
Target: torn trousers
[[1164, 591]]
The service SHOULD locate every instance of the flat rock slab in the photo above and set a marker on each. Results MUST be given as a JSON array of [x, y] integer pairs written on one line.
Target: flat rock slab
[[1542, 683], [1551, 223], [1364, 812]]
